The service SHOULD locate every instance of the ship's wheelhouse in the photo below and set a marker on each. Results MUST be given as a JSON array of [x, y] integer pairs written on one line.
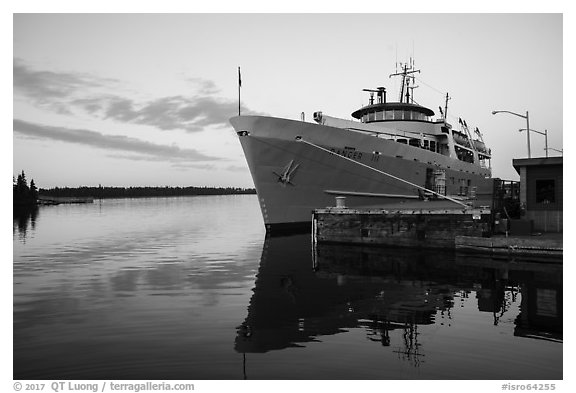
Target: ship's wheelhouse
[[393, 111]]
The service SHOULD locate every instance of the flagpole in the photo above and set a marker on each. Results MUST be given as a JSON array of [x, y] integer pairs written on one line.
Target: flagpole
[[239, 86]]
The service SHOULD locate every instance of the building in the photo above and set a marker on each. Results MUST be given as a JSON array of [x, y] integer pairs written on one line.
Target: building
[[541, 192]]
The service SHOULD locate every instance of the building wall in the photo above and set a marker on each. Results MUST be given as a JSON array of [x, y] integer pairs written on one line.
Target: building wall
[[546, 214], [546, 220], [535, 174]]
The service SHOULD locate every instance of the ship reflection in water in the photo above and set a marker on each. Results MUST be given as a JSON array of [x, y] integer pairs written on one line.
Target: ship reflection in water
[[447, 316]]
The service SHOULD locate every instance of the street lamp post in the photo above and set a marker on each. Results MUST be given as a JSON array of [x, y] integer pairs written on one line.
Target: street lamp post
[[545, 133], [559, 151], [527, 126]]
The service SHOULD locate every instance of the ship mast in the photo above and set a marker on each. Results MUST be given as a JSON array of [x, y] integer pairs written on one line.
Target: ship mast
[[406, 77]]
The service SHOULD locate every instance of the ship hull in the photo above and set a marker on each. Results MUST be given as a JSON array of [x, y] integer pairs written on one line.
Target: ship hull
[[294, 173]]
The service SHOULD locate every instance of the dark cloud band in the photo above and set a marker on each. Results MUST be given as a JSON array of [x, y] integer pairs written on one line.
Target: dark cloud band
[[121, 143]]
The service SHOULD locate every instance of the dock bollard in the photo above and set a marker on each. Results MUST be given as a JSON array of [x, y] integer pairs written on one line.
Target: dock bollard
[[340, 201]]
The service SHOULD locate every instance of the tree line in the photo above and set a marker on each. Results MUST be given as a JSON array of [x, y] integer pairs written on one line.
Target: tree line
[[26, 195], [137, 192]]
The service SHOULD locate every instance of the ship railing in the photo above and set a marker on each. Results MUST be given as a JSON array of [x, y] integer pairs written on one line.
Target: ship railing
[[395, 135], [379, 134], [464, 147]]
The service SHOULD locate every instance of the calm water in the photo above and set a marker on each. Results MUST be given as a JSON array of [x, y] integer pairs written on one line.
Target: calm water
[[190, 288]]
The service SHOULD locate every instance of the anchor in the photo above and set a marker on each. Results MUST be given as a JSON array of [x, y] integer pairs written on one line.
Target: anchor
[[285, 176]]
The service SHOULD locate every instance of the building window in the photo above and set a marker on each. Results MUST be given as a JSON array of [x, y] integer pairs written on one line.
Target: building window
[[545, 191]]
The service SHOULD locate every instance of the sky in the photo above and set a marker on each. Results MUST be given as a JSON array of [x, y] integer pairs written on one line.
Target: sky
[[144, 99]]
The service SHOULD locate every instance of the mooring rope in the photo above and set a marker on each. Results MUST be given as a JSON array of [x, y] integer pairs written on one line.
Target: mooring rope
[[300, 139]]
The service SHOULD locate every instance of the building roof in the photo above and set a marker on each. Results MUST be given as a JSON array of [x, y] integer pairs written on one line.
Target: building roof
[[540, 161]]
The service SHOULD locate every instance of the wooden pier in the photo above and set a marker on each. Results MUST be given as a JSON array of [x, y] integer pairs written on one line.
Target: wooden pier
[[51, 200]]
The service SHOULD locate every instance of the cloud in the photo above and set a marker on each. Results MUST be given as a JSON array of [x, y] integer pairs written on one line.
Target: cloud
[[52, 89], [72, 92], [236, 168], [204, 86], [167, 113], [49, 84], [143, 149]]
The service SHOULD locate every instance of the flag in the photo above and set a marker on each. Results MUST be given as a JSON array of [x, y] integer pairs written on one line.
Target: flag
[[239, 87]]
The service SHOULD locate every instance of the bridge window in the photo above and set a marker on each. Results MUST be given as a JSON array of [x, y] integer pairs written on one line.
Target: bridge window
[[404, 141], [393, 114], [433, 146], [415, 142]]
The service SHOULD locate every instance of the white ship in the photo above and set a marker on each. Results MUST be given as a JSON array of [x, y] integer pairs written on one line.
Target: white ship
[[395, 152]]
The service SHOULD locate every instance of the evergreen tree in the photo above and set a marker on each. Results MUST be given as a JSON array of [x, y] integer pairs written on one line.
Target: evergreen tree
[[33, 190], [22, 189], [24, 197]]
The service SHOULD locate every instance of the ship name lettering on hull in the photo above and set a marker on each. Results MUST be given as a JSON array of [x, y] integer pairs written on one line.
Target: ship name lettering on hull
[[349, 152]]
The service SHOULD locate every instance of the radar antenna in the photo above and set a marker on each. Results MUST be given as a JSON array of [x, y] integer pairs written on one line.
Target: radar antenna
[[380, 93]]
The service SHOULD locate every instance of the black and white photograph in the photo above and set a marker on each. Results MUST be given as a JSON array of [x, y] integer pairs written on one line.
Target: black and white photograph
[[251, 195]]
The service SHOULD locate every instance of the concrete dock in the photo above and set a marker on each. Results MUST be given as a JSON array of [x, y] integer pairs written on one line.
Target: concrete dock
[[431, 226], [408, 227], [546, 245]]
